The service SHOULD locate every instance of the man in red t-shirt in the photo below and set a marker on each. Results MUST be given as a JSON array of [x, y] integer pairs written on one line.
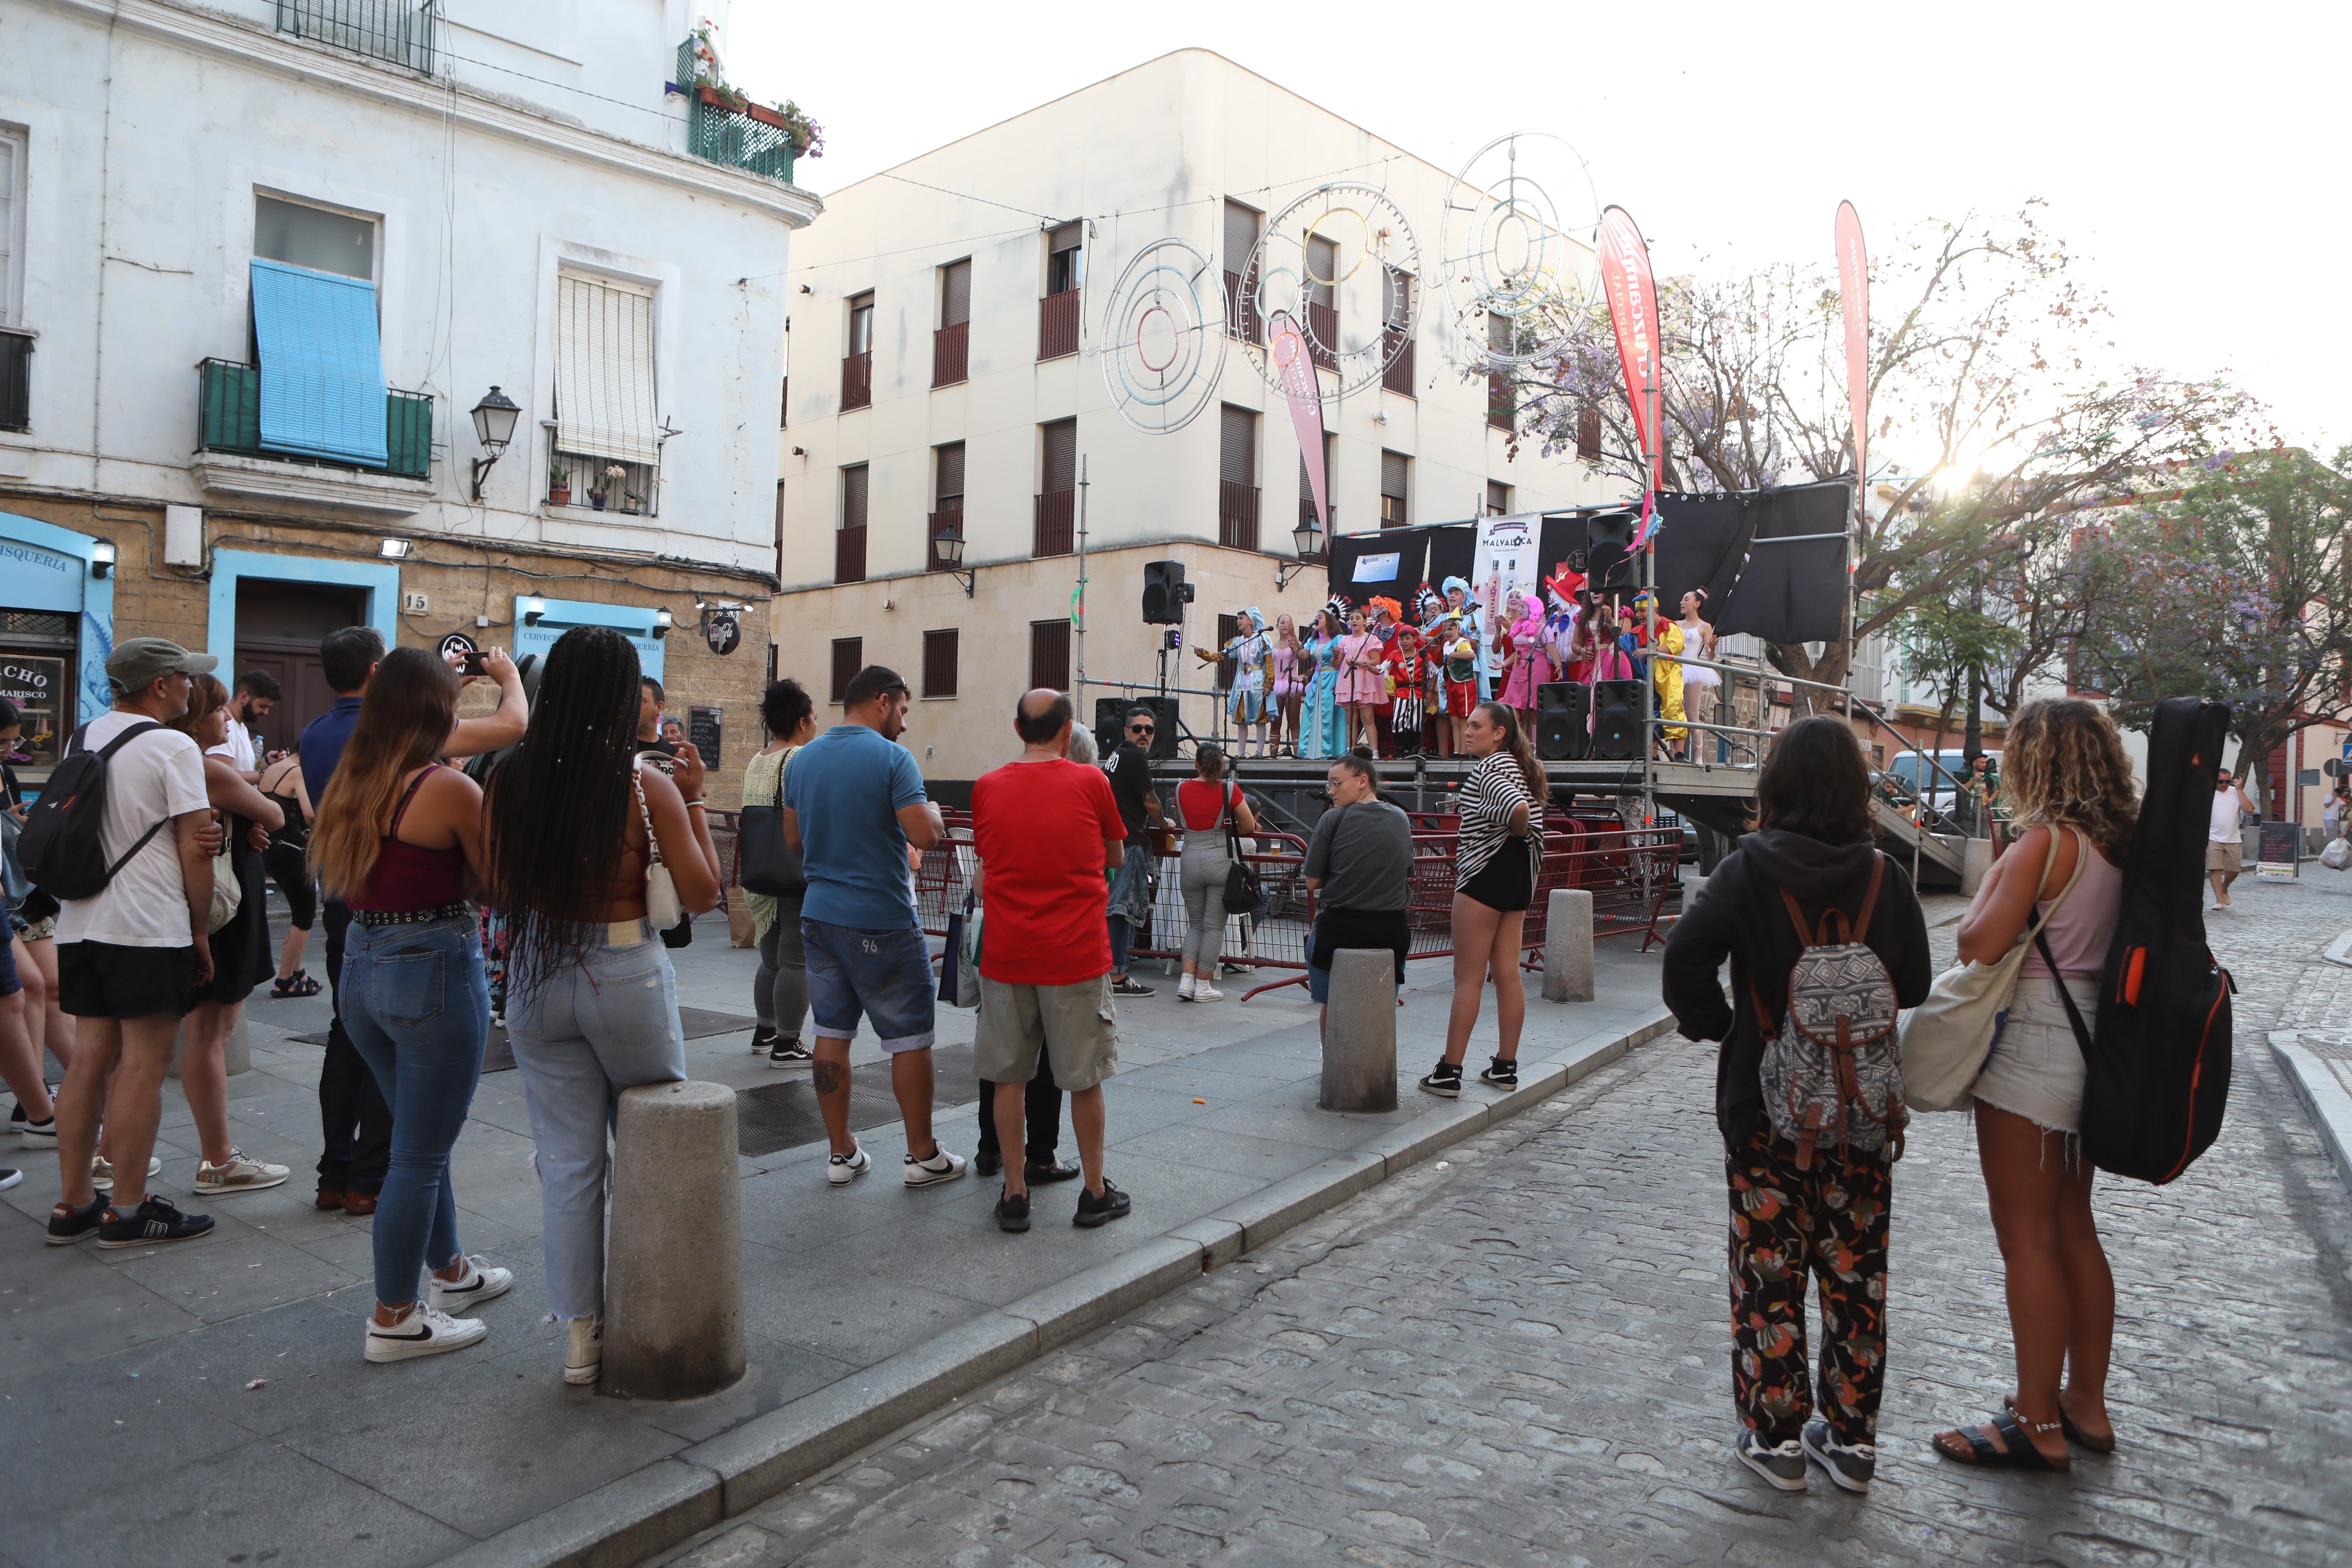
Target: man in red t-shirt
[[1046, 830]]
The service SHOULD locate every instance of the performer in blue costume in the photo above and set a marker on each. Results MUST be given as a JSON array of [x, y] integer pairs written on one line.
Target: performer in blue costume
[[1321, 733]]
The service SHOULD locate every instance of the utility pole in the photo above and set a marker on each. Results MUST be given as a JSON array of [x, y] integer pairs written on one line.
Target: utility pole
[[1972, 742]]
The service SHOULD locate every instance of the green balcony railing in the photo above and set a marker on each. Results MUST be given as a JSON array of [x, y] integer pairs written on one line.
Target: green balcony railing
[[746, 139], [229, 420]]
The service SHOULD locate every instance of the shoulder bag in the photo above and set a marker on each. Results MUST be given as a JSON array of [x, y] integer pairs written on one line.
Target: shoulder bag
[[229, 893], [662, 908], [1244, 893], [771, 867], [1947, 1038]]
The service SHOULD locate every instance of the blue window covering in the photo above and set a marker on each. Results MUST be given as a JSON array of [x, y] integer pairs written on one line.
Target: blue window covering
[[321, 364]]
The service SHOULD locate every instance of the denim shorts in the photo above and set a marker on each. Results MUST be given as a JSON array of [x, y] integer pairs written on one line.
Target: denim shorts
[[884, 975]]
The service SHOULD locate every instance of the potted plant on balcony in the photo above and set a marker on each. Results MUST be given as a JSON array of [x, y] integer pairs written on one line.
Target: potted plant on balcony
[[558, 485], [632, 503], [808, 136], [607, 482]]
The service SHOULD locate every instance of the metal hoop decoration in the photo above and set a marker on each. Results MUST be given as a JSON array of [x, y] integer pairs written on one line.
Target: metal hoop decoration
[[1164, 337], [1515, 246], [1280, 276]]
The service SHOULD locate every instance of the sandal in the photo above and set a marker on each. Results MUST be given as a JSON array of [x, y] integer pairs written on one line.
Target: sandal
[[297, 983], [2067, 1423], [2017, 1452]]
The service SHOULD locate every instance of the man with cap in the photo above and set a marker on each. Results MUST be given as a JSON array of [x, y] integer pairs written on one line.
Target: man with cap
[[132, 955]]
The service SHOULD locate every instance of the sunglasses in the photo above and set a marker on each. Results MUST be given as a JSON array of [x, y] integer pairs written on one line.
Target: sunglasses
[[1140, 729]]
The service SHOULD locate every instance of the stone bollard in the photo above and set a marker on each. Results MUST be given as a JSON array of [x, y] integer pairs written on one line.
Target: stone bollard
[[674, 1265], [1568, 946], [236, 1051], [1976, 859], [1359, 1071]]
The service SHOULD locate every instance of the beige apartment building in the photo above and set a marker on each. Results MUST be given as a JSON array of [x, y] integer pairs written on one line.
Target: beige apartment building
[[949, 325]]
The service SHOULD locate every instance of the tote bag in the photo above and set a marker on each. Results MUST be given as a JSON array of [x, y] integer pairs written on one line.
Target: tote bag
[[771, 867], [1244, 893], [1947, 1037]]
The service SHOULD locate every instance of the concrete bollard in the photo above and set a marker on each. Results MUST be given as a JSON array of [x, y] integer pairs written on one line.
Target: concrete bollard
[[1359, 1071], [1568, 946], [1976, 859], [673, 1265]]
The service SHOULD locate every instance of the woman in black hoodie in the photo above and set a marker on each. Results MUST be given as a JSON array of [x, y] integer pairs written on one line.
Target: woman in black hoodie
[[1814, 840]]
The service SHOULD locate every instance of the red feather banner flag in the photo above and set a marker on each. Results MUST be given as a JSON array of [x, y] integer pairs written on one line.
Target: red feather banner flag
[[1287, 346], [1853, 287], [1634, 310]]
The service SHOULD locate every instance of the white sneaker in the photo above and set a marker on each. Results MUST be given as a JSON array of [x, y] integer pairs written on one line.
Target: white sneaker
[[941, 1166], [102, 1170], [843, 1169], [1184, 989], [1204, 992], [426, 1330], [584, 1359], [480, 1284], [243, 1174]]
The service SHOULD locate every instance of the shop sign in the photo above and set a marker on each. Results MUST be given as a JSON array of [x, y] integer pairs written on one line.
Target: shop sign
[[36, 687]]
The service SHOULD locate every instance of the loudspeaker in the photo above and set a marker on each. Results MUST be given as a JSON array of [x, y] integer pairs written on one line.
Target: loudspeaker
[[1110, 723], [1163, 737], [1617, 721], [1563, 709], [1165, 593], [1609, 552]]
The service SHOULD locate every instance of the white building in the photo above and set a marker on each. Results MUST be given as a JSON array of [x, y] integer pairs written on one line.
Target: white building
[[259, 260], [949, 324]]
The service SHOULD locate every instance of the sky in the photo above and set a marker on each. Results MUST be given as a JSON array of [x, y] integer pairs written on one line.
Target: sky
[[2193, 159]]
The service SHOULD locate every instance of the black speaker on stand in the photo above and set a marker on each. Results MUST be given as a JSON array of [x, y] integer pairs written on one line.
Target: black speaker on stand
[[1617, 721], [1165, 593], [1110, 724], [1563, 714], [1609, 552]]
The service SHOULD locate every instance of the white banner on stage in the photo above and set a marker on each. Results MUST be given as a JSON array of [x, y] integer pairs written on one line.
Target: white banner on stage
[[1505, 560]]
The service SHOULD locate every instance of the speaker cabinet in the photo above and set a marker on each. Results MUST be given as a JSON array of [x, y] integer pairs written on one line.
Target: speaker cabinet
[[1617, 721], [1563, 716], [1609, 552], [1165, 593], [1110, 724]]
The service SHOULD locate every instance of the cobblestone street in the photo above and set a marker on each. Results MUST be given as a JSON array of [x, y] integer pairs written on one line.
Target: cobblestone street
[[1519, 1356]]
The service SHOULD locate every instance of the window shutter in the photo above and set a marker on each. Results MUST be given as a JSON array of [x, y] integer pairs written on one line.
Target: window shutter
[[604, 370], [1241, 236], [951, 485], [1498, 331], [1049, 654], [848, 659], [321, 365], [9, 154], [853, 497], [955, 293], [940, 658], [1498, 497], [1393, 469], [1061, 456], [1322, 269], [1237, 462]]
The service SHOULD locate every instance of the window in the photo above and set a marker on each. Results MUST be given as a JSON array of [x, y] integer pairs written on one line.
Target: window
[[1323, 300], [12, 230], [947, 505], [1502, 406], [397, 32], [857, 364], [1055, 529], [321, 362], [1396, 330], [848, 659], [1237, 477], [605, 393], [849, 539], [940, 649], [1049, 654], [951, 345], [1065, 259], [779, 527], [785, 403], [1057, 313], [1587, 433], [1498, 499], [317, 238], [1394, 470], [861, 324], [1241, 281]]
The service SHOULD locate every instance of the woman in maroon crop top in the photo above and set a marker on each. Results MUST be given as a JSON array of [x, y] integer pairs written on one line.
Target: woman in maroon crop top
[[397, 839]]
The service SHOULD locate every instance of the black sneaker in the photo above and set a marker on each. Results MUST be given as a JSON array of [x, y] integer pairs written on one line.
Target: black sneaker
[[1049, 1174], [1445, 1081], [1123, 986], [76, 1225], [1094, 1211], [763, 1035], [1013, 1212], [788, 1052], [155, 1221], [1502, 1074]]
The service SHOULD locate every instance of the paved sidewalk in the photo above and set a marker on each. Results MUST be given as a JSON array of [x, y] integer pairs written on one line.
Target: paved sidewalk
[[1518, 1357], [126, 1377]]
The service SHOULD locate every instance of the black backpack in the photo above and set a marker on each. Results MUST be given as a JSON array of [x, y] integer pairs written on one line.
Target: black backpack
[[2159, 1057], [60, 848]]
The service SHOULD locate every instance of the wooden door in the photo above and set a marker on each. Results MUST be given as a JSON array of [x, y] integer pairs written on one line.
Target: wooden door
[[294, 663]]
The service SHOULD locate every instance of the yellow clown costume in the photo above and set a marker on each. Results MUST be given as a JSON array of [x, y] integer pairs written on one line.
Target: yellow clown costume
[[1666, 675]]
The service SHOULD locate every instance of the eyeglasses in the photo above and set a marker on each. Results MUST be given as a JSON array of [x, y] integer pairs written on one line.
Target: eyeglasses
[[1140, 729]]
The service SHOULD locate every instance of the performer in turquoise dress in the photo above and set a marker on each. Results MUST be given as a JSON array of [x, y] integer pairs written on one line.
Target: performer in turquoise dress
[[1321, 733]]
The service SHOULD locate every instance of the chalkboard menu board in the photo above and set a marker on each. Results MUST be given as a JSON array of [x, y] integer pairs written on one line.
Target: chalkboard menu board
[[703, 728], [2274, 859]]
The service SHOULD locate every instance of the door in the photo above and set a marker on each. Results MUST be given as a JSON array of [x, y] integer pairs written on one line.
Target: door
[[279, 625]]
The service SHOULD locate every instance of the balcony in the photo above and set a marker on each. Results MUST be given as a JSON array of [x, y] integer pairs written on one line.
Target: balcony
[[397, 32], [228, 423], [857, 381], [590, 485], [849, 554], [1323, 335], [741, 135], [1502, 411], [1054, 532], [1057, 324], [1397, 376], [1236, 515], [16, 380], [949, 355], [785, 403], [1241, 311], [948, 520]]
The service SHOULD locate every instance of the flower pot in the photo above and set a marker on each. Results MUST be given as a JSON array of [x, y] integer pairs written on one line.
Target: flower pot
[[759, 111], [558, 495], [631, 509], [596, 501]]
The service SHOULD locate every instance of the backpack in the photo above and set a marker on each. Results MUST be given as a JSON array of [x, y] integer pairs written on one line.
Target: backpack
[[60, 848], [1834, 1066], [2158, 1060]]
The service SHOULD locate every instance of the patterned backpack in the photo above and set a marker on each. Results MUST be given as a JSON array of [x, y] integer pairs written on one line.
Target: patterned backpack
[[1834, 1066]]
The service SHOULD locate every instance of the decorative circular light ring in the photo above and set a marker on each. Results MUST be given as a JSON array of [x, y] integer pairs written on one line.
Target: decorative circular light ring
[[1283, 277], [1519, 219], [1164, 337]]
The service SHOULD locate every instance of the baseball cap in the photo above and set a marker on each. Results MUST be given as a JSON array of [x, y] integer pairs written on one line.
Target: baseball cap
[[137, 661]]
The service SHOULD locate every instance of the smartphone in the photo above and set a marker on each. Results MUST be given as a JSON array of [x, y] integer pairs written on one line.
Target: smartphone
[[473, 664]]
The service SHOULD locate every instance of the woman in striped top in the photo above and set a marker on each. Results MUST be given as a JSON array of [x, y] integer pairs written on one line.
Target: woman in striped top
[[1501, 805]]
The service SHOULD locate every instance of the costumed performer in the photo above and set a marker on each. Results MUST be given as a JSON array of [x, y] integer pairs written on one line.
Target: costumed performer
[[1523, 663], [1666, 675], [1407, 677], [1363, 685], [1290, 673], [1460, 683], [1699, 682], [1253, 659], [1322, 736], [1388, 619], [1459, 604]]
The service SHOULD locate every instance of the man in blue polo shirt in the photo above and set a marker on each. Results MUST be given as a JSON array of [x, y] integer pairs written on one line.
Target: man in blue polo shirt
[[854, 806]]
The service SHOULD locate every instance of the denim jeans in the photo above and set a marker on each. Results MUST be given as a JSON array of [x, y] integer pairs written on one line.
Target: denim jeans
[[581, 1035], [418, 1011], [354, 1122]]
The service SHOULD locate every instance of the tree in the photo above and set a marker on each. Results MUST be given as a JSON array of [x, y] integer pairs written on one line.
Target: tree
[[1988, 367], [2240, 591]]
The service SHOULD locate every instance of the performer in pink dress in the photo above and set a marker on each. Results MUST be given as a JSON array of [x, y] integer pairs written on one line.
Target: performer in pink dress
[[1521, 654], [1292, 669], [1363, 682]]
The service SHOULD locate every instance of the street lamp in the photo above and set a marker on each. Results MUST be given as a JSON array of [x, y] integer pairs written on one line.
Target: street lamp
[[1307, 540], [532, 608], [662, 621], [950, 544], [494, 426], [101, 557]]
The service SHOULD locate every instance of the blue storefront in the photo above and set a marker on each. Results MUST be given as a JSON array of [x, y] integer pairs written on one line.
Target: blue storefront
[[538, 622], [56, 626]]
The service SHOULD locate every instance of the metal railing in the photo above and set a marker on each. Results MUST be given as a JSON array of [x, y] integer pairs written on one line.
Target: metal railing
[[229, 420], [1054, 530], [950, 354], [1241, 310], [1236, 515], [948, 520], [1323, 335], [397, 32], [849, 554], [1057, 324], [1398, 375], [16, 380], [857, 381]]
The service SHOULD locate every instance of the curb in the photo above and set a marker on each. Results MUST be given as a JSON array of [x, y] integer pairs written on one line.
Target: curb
[[2323, 1097], [2340, 950], [638, 1515]]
